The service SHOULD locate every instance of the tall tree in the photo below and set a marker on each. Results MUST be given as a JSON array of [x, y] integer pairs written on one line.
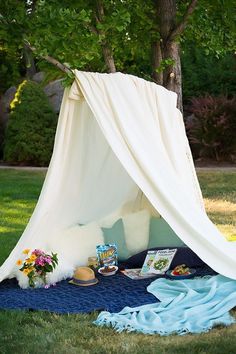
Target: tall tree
[[133, 36], [166, 50]]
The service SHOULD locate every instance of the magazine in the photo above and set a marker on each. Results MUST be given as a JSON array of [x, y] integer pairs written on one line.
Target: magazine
[[162, 261], [148, 262], [135, 274]]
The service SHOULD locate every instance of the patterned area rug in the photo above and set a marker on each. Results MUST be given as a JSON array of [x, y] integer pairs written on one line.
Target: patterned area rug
[[110, 294]]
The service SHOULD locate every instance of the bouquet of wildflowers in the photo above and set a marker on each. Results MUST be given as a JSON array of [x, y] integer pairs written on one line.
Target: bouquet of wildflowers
[[36, 265]]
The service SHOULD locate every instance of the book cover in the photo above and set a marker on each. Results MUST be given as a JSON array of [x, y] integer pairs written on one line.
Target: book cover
[[162, 261], [148, 262]]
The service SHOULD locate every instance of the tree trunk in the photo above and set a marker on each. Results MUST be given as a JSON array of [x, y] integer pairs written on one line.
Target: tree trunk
[[27, 52], [29, 62], [106, 49], [156, 62], [172, 76], [166, 20], [108, 58]]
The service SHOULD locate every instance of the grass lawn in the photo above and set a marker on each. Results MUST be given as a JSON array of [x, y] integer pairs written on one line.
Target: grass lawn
[[23, 332]]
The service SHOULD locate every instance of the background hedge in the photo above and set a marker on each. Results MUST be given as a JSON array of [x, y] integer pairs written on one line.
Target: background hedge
[[31, 128]]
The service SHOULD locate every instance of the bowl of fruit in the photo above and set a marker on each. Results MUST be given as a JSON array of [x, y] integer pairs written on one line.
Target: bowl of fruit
[[108, 270], [181, 272]]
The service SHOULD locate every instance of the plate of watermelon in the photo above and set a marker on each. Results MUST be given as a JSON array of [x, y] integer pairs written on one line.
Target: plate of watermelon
[[181, 272]]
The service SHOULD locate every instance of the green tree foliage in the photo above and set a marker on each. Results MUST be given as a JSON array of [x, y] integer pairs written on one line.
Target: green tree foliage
[[10, 69], [212, 26], [31, 127], [78, 32], [13, 26], [204, 74], [71, 31]]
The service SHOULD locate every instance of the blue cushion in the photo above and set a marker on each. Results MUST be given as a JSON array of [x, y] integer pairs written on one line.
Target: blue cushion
[[162, 235], [184, 255], [116, 235]]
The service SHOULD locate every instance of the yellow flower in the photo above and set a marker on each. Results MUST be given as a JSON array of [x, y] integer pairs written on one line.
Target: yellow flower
[[19, 262], [33, 257], [28, 260], [26, 251], [30, 269], [26, 271]]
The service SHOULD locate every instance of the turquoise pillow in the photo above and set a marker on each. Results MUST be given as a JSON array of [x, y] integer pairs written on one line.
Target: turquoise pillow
[[162, 235], [116, 234]]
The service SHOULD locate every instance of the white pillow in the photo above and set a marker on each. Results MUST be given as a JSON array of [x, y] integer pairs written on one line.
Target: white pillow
[[109, 220], [76, 244], [136, 228]]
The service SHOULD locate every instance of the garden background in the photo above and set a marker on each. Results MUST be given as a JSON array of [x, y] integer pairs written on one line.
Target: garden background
[[186, 46]]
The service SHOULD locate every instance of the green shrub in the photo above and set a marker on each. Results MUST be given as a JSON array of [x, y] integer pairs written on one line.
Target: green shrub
[[211, 128], [31, 127], [205, 74]]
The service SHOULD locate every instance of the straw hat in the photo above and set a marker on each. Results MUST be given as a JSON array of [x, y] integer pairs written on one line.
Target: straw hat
[[84, 276]]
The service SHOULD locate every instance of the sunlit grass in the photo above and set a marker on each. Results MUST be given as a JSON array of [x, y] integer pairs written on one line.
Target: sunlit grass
[[24, 332], [223, 214], [219, 191], [19, 191]]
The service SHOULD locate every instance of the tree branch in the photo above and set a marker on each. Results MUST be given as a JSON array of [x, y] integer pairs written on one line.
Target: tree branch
[[106, 48], [156, 62], [93, 29], [181, 26], [66, 69], [100, 10]]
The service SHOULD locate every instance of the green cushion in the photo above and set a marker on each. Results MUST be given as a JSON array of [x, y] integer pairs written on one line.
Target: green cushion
[[116, 235], [162, 235]]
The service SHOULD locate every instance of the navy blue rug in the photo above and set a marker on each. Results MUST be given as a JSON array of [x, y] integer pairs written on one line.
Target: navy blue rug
[[111, 294]]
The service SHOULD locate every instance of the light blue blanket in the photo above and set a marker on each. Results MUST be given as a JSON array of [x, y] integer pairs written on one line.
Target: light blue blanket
[[187, 306]]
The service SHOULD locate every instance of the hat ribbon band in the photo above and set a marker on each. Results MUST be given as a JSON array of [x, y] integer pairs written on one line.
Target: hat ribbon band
[[77, 281]]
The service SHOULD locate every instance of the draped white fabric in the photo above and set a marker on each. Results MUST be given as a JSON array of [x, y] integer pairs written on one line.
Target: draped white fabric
[[118, 133]]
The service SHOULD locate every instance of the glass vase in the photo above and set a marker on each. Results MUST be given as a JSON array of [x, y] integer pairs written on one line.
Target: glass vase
[[40, 282]]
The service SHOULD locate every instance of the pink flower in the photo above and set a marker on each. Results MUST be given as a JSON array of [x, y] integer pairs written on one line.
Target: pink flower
[[37, 252], [40, 261], [48, 259], [37, 265]]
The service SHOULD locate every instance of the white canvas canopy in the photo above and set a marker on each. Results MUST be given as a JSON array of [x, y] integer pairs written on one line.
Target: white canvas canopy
[[118, 134]]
